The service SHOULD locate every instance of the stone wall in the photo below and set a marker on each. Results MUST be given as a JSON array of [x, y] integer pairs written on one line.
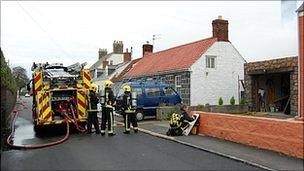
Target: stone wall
[[8, 100], [289, 64]]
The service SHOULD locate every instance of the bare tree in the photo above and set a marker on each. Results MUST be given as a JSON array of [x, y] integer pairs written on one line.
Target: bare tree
[[20, 77]]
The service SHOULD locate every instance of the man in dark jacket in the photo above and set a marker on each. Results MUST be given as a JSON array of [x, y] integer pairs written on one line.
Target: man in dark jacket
[[129, 110], [92, 111], [184, 113], [107, 109]]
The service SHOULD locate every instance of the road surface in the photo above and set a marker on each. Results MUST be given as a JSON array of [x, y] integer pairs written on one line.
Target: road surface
[[121, 152]]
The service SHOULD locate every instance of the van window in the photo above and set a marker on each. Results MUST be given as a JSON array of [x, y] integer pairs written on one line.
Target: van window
[[152, 91], [138, 92], [169, 91]]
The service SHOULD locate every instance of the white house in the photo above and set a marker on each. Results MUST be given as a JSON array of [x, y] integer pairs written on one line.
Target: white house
[[201, 71], [109, 65]]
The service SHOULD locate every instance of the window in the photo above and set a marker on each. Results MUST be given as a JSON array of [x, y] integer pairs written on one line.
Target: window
[[138, 92], [111, 62], [169, 91], [210, 61], [178, 84], [152, 91]]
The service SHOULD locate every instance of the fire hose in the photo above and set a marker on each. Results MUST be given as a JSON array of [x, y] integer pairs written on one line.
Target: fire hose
[[36, 146]]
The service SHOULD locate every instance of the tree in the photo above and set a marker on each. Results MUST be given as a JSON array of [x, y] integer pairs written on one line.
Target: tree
[[232, 100], [20, 76], [220, 101]]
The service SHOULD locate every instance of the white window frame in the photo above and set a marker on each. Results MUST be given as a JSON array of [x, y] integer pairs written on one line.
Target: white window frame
[[208, 61], [178, 86]]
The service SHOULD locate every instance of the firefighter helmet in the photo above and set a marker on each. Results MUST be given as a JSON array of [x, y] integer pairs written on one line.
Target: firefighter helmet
[[127, 88], [108, 84], [93, 87]]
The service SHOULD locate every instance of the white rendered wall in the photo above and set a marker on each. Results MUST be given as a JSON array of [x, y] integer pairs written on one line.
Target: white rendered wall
[[116, 58], [209, 84]]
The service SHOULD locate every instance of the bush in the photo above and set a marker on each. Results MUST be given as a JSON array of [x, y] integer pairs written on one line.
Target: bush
[[242, 101], [7, 79], [220, 101], [200, 107], [232, 100]]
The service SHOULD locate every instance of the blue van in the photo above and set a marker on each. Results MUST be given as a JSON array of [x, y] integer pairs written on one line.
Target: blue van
[[149, 96]]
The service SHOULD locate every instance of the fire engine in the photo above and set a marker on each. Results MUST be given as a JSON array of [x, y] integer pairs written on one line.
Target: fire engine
[[59, 93]]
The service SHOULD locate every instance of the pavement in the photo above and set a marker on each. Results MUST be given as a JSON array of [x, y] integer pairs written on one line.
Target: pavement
[[265, 159]]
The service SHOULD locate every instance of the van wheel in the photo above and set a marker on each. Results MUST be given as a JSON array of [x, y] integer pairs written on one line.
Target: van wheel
[[140, 115]]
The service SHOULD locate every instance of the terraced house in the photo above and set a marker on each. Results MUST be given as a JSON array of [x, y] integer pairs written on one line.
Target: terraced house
[[201, 71]]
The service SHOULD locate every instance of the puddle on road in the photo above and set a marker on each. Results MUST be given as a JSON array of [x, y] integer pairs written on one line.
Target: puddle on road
[[24, 131]]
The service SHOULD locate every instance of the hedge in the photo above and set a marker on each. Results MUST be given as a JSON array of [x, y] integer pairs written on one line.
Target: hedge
[[7, 78]]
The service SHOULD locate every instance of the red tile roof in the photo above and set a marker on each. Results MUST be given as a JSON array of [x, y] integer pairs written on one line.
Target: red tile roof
[[119, 77], [180, 57]]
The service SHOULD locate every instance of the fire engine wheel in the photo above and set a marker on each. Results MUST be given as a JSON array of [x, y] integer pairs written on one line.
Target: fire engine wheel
[[140, 115], [37, 129]]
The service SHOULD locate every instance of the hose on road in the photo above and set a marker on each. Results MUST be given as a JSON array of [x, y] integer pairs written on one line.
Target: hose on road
[[36, 146]]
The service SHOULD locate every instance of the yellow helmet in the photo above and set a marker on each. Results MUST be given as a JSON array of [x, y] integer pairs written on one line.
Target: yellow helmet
[[127, 88], [93, 87], [108, 84]]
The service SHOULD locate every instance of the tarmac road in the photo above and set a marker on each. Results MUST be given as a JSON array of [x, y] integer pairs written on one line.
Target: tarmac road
[[121, 152]]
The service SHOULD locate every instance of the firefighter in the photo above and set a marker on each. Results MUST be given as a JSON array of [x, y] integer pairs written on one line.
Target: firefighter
[[92, 111], [107, 103], [129, 110]]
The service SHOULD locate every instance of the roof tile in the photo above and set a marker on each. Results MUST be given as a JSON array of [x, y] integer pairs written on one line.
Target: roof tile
[[180, 57]]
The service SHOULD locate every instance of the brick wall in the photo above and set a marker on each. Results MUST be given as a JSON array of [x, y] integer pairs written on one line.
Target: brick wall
[[301, 62], [284, 136]]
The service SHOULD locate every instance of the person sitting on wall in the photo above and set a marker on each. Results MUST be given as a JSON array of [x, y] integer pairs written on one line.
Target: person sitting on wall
[[179, 122]]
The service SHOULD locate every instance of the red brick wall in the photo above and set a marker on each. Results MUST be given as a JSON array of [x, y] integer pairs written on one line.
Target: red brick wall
[[285, 136], [301, 62]]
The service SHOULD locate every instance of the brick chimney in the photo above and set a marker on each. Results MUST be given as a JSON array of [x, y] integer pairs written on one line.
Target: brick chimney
[[127, 56], [102, 53], [301, 61], [118, 47], [147, 49], [104, 64], [220, 29]]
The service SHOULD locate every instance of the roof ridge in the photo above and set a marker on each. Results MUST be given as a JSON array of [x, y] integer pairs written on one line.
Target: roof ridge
[[183, 45]]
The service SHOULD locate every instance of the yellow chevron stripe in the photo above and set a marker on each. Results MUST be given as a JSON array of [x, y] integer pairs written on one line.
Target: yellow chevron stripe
[[81, 98], [58, 122], [46, 112], [39, 82], [39, 105], [87, 82]]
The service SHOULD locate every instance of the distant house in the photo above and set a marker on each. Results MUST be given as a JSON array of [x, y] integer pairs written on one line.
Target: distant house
[[201, 71], [109, 65], [118, 78]]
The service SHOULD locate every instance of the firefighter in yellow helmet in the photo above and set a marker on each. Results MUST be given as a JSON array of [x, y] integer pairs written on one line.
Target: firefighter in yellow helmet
[[92, 111], [129, 110], [107, 104]]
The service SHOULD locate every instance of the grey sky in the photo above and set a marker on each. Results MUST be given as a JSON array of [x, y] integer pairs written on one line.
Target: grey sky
[[72, 31]]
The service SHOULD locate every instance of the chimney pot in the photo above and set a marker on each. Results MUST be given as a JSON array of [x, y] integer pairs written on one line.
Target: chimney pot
[[220, 17]]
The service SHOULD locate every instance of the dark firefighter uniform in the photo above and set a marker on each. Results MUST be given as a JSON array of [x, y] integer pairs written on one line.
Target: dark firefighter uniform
[[129, 111], [92, 111], [107, 109]]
